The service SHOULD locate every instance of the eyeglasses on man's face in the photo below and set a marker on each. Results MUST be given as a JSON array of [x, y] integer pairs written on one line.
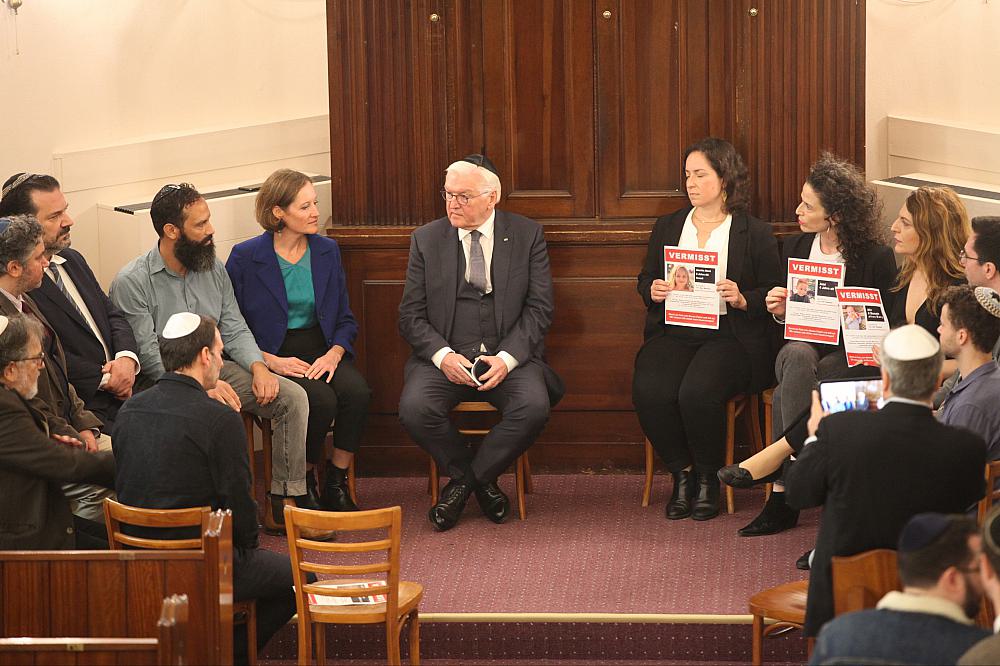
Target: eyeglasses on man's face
[[38, 358], [963, 257], [463, 198]]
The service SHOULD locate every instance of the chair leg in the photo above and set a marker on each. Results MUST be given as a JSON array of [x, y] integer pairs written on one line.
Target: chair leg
[[528, 485], [755, 436], [647, 490], [433, 482], [305, 642], [392, 641], [730, 446], [352, 481], [252, 633], [319, 629], [757, 647], [415, 637], [519, 473]]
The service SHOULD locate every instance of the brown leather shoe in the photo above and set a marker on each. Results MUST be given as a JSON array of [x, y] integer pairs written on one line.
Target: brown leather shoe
[[274, 521]]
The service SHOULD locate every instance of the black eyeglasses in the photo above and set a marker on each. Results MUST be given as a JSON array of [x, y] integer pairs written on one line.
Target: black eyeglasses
[[462, 198], [38, 358], [963, 257]]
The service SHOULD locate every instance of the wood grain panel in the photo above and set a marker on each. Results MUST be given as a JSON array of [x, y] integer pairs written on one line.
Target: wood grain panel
[[25, 591], [381, 333], [144, 589], [66, 618], [538, 104], [802, 68], [106, 597]]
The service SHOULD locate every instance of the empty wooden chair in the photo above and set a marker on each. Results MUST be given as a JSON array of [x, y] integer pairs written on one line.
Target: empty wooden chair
[[747, 406], [166, 649], [786, 605], [522, 468], [859, 581], [116, 514], [402, 598]]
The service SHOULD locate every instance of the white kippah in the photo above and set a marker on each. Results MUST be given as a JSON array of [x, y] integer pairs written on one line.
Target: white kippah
[[989, 299], [910, 343], [3, 324], [181, 324]]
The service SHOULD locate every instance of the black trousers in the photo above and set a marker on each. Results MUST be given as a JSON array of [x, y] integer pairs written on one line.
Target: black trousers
[[343, 401], [265, 576], [428, 397], [680, 387]]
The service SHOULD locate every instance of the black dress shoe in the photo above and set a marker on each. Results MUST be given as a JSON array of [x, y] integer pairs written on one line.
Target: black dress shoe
[[803, 562], [705, 505], [679, 505], [336, 494], [774, 518], [312, 491], [444, 515], [737, 477], [494, 503]]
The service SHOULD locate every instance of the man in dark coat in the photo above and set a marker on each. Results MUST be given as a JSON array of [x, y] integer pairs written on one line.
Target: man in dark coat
[[34, 462], [873, 471]]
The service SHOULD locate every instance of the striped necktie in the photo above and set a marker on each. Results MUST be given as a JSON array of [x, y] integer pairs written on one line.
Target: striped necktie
[[57, 278], [477, 263]]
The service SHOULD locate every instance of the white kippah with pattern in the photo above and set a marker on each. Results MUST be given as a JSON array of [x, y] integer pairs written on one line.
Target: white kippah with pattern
[[180, 325], [989, 299]]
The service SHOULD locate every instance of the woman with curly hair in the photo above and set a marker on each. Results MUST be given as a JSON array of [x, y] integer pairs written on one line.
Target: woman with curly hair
[[684, 376], [839, 217]]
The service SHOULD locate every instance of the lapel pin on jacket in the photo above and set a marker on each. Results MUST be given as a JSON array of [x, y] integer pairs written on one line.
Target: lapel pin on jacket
[[504, 240]]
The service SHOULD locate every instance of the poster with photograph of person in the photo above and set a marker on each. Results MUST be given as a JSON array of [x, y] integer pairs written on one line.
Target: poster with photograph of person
[[811, 312], [693, 299]]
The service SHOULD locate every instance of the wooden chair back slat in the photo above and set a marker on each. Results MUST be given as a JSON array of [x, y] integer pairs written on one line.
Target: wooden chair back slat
[[345, 569], [345, 592], [992, 492], [859, 581], [354, 547], [116, 513]]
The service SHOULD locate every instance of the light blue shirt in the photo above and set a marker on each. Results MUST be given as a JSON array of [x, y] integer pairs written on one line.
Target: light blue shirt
[[149, 293]]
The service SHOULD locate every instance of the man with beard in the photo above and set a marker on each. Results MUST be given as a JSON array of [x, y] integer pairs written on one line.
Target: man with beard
[[182, 274], [931, 620], [34, 461], [177, 448], [100, 349]]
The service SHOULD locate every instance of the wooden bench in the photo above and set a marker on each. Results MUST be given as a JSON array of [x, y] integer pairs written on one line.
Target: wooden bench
[[88, 594], [167, 649]]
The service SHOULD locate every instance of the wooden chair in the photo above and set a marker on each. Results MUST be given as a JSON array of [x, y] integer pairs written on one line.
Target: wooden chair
[[786, 605], [266, 435], [402, 597], [859, 581], [167, 649], [739, 405], [992, 492], [116, 514], [522, 468]]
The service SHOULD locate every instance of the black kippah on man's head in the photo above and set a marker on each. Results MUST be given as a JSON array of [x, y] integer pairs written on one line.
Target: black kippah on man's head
[[482, 161]]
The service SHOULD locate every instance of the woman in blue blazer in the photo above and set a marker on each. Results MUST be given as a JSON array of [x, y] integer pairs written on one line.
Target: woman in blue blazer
[[290, 286]]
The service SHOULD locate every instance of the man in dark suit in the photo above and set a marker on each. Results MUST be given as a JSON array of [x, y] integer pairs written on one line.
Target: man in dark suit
[[34, 460], [477, 287], [873, 471], [100, 348]]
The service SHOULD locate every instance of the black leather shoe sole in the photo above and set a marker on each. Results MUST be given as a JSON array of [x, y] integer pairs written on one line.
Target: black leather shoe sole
[[737, 477], [803, 562]]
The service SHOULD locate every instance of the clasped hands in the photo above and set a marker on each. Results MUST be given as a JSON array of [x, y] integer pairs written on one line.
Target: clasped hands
[[728, 290], [452, 364], [122, 377]]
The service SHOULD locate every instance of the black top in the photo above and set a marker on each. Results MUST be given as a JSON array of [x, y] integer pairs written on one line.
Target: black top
[[924, 317], [752, 264], [175, 448]]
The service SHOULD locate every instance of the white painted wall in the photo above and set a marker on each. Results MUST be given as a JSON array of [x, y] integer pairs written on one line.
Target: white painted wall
[[931, 60], [99, 73]]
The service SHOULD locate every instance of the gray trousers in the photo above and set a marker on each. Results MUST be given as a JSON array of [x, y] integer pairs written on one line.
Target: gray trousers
[[86, 500], [797, 371], [289, 414]]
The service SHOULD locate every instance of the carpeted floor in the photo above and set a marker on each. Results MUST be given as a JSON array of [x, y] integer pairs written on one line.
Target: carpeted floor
[[587, 546]]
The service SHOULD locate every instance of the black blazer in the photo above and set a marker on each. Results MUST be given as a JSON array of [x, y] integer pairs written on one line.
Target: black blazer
[[872, 472], [522, 291], [84, 353], [753, 265]]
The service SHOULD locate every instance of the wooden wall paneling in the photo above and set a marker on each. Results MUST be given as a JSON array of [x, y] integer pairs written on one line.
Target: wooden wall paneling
[[106, 598], [800, 64], [539, 104], [389, 79], [25, 591], [144, 589], [66, 618]]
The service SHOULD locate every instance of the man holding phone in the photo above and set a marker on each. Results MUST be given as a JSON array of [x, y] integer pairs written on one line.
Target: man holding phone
[[476, 306], [874, 470]]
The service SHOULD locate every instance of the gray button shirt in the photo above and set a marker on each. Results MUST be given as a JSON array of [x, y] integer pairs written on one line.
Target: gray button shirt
[[973, 405], [149, 293]]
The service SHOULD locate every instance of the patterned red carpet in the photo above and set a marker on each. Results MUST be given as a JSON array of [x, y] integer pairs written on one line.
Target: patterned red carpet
[[587, 546]]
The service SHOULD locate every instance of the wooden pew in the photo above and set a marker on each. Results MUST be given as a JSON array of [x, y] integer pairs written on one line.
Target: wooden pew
[[51, 594], [167, 649]]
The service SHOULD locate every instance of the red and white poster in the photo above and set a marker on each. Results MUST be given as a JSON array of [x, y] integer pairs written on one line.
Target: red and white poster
[[811, 312], [863, 319], [693, 299]]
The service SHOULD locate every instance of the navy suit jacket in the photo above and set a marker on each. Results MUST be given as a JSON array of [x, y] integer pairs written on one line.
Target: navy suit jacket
[[260, 291], [84, 352]]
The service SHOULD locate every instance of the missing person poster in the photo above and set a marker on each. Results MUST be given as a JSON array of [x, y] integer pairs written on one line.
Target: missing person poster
[[864, 323], [811, 312], [693, 299]]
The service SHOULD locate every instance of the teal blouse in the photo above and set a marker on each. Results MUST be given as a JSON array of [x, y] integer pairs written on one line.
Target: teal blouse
[[299, 290]]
